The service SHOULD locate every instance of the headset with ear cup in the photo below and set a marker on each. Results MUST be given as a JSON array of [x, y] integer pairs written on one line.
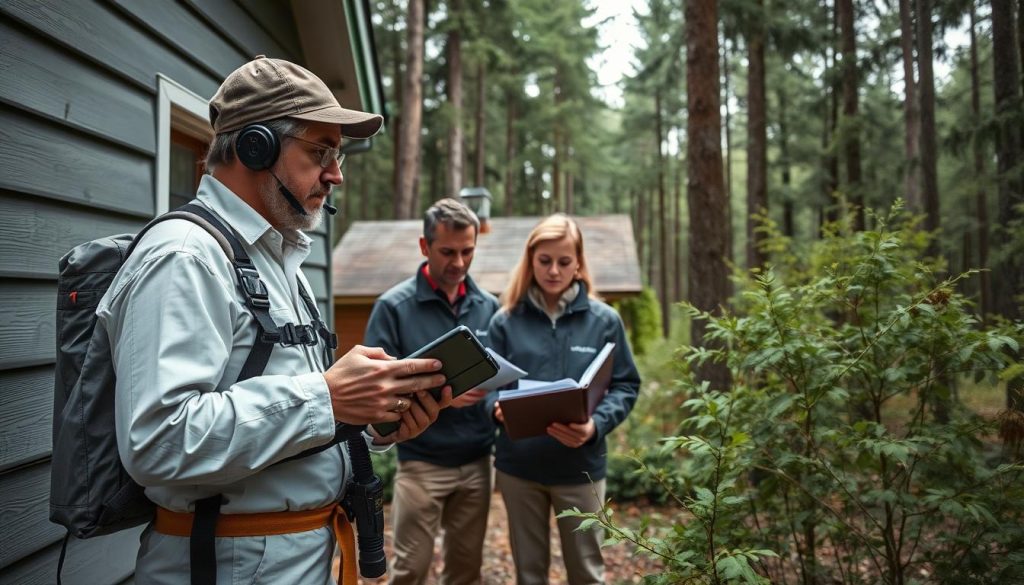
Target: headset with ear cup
[[257, 147]]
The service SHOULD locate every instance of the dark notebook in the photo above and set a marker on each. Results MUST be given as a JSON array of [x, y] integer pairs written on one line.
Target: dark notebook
[[529, 409]]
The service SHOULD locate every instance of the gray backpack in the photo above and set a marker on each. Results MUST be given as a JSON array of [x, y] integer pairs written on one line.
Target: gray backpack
[[91, 494]]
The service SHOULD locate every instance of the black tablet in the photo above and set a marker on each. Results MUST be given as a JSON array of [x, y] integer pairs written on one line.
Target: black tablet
[[464, 362]]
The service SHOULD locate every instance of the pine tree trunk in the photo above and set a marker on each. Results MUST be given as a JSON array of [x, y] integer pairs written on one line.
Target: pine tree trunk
[[981, 198], [757, 143], [641, 233], [851, 122], [726, 70], [556, 165], [911, 111], [1006, 87], [788, 222], [570, 204], [412, 114], [929, 148], [677, 222], [395, 123], [481, 121], [708, 275], [830, 177], [455, 167], [652, 254], [662, 220], [510, 154]]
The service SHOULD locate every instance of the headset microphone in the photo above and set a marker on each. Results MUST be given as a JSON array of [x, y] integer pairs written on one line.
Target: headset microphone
[[330, 208], [288, 195]]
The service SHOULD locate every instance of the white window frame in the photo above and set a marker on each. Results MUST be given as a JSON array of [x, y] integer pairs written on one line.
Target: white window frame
[[182, 109]]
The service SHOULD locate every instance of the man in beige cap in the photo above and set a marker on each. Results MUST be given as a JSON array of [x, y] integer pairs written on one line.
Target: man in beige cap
[[195, 423]]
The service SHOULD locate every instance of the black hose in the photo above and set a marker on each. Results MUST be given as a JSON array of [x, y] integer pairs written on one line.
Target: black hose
[[364, 501]]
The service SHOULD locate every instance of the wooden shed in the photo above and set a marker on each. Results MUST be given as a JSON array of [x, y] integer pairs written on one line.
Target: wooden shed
[[373, 256], [103, 117]]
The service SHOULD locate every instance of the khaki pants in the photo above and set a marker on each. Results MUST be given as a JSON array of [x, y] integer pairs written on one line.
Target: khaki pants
[[529, 505], [429, 497]]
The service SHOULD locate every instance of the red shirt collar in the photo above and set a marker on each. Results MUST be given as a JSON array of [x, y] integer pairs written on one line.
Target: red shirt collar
[[437, 288]]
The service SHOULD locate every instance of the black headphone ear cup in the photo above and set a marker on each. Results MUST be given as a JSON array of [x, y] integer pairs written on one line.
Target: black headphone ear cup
[[257, 147]]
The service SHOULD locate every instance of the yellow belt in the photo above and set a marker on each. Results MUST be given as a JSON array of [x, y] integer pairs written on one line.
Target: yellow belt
[[268, 523]]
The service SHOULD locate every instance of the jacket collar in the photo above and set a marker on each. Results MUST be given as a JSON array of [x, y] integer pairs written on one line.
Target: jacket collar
[[580, 303], [246, 221], [425, 293]]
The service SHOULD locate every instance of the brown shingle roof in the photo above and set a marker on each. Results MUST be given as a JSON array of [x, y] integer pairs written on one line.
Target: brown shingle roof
[[373, 256]]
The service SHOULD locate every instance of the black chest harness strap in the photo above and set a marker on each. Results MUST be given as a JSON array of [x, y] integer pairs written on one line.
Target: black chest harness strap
[[202, 545]]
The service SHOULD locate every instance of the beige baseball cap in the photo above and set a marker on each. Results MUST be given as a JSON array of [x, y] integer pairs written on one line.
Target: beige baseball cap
[[264, 89]]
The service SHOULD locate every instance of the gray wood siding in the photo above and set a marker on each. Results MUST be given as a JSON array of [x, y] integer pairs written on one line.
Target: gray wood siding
[[47, 159], [97, 561], [26, 406], [37, 232], [78, 148]]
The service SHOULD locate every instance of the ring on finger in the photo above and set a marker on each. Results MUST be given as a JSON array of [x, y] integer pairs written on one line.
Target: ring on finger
[[402, 405]]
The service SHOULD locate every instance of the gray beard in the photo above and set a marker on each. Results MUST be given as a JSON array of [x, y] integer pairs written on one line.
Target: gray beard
[[283, 214]]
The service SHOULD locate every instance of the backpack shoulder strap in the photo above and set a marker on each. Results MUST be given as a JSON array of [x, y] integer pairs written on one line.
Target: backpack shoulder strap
[[257, 298]]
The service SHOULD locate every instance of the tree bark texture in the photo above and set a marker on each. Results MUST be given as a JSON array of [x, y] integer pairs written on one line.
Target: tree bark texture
[[726, 70], [981, 198], [911, 111], [412, 114], [510, 153], [481, 121], [456, 136], [677, 223], [708, 275], [788, 210], [663, 218], [929, 148], [757, 141], [395, 123], [1008, 149], [850, 131]]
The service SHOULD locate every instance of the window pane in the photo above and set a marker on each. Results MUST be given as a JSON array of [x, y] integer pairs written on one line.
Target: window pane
[[183, 174]]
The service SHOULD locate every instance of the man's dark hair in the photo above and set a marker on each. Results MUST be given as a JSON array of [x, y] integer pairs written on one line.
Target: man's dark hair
[[453, 214], [222, 148]]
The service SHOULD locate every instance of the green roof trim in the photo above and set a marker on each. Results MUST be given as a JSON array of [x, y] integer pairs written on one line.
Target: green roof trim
[[357, 17]]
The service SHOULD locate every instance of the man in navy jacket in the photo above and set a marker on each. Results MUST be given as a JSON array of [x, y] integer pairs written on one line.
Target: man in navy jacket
[[444, 475]]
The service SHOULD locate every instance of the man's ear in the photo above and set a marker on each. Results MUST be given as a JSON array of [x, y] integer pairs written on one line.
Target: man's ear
[[424, 249]]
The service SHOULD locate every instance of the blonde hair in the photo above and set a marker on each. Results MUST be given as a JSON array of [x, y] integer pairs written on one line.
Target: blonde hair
[[553, 227]]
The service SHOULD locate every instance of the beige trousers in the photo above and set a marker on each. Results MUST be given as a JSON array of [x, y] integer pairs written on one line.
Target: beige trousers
[[429, 497], [529, 505]]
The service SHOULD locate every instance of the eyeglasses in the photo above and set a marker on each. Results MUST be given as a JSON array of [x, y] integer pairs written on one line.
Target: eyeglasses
[[326, 153]]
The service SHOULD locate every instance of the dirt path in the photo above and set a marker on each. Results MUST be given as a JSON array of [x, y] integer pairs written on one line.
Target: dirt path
[[621, 565]]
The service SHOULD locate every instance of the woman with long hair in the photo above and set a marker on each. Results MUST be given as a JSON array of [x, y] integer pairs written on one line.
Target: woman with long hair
[[552, 325]]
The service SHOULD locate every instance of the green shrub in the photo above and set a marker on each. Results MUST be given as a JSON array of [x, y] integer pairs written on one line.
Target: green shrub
[[385, 465], [805, 470], [642, 318]]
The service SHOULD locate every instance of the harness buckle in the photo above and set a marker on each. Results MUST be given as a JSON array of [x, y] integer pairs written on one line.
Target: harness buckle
[[256, 295]]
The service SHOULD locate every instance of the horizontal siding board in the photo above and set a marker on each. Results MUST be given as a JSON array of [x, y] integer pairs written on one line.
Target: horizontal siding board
[[27, 333], [26, 412], [111, 40], [37, 232], [237, 26], [41, 158], [54, 84], [185, 31], [25, 514], [102, 560]]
